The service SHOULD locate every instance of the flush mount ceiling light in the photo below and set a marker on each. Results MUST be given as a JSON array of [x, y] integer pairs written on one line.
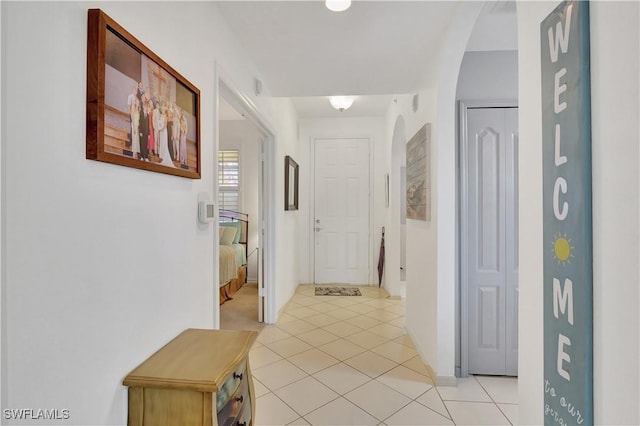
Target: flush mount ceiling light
[[338, 5], [341, 102]]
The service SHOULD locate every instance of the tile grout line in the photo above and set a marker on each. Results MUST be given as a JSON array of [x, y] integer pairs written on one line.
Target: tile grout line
[[434, 388], [445, 405], [492, 400], [391, 315]]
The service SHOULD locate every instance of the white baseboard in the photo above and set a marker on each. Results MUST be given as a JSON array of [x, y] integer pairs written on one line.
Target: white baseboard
[[446, 381]]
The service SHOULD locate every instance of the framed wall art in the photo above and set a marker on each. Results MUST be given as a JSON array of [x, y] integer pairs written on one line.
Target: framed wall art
[[291, 177], [419, 175], [386, 190], [141, 112]]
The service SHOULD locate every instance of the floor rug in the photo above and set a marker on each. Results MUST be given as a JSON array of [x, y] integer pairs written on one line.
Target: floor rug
[[337, 291]]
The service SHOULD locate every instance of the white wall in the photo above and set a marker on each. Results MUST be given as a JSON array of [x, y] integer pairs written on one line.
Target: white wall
[[245, 137], [311, 129], [431, 246], [420, 320], [287, 228], [614, 99], [451, 58], [488, 75], [396, 228], [104, 264]]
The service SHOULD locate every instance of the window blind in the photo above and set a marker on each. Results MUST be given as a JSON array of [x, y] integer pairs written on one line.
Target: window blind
[[229, 179]]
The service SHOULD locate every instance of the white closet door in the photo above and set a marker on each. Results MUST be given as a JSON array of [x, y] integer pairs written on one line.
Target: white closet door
[[491, 216]]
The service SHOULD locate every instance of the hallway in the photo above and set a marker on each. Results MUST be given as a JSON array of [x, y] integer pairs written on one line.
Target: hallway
[[337, 360]]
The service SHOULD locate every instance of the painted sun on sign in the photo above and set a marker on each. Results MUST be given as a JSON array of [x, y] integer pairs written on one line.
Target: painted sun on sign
[[562, 249]]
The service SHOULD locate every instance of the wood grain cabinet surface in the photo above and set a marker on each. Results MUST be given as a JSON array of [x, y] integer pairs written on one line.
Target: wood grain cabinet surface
[[202, 377]]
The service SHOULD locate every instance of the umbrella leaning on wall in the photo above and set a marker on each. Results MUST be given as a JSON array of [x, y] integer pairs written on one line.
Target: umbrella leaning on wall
[[381, 260]]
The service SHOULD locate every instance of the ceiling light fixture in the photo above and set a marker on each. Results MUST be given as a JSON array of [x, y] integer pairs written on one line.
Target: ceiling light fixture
[[341, 102], [338, 5]]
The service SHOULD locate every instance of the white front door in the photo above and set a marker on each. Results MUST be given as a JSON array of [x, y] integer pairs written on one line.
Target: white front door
[[341, 222], [491, 214]]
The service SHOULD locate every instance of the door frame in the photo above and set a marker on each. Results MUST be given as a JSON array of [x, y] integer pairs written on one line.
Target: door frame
[[462, 340], [312, 203], [266, 246]]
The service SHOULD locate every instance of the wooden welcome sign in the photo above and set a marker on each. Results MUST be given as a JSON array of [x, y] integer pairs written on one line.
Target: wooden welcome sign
[[568, 257]]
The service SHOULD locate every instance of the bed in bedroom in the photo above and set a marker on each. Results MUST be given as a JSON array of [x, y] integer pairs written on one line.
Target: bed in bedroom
[[233, 230]]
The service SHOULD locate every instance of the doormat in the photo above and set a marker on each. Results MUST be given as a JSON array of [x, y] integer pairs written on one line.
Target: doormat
[[337, 291]]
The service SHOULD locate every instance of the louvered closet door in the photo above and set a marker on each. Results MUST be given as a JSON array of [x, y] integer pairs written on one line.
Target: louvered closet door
[[492, 269], [341, 222]]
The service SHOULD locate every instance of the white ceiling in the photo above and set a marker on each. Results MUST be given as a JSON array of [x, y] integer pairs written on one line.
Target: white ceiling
[[363, 106], [496, 28], [373, 50], [304, 49]]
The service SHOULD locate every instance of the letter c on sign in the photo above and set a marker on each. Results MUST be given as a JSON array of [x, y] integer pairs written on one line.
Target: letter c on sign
[[560, 185]]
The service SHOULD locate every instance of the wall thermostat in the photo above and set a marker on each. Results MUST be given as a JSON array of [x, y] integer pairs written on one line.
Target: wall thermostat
[[206, 212]]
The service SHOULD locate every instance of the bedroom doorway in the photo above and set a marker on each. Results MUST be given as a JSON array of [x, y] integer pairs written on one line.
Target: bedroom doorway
[[243, 159]]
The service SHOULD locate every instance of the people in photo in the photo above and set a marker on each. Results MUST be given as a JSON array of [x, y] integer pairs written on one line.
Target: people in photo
[[135, 128], [169, 117], [130, 106], [175, 128], [163, 142], [151, 145], [157, 112], [183, 139], [144, 132]]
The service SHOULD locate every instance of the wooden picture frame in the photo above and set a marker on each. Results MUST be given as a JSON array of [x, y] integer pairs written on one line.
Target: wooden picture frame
[[418, 190], [386, 190], [141, 112], [291, 178]]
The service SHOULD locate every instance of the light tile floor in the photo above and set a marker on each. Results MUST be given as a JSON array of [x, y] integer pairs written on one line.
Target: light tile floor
[[334, 360]]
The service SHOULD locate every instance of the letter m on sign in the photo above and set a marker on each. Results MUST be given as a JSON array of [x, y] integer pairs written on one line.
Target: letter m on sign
[[563, 300]]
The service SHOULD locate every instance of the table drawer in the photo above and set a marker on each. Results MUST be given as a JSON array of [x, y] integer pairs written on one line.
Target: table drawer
[[235, 406], [245, 416], [230, 386]]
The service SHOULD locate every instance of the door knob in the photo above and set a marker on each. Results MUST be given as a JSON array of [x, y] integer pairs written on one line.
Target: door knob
[[318, 229]]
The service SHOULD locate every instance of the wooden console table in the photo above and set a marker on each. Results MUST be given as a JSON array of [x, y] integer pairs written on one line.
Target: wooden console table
[[202, 377]]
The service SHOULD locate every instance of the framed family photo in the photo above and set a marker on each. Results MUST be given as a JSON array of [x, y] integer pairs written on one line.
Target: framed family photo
[[141, 112]]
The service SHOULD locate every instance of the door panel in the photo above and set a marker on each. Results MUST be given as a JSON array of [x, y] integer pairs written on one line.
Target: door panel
[[491, 153], [488, 309], [487, 207], [341, 223]]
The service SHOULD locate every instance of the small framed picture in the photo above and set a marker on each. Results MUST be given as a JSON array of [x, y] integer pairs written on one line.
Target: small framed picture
[[291, 175]]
